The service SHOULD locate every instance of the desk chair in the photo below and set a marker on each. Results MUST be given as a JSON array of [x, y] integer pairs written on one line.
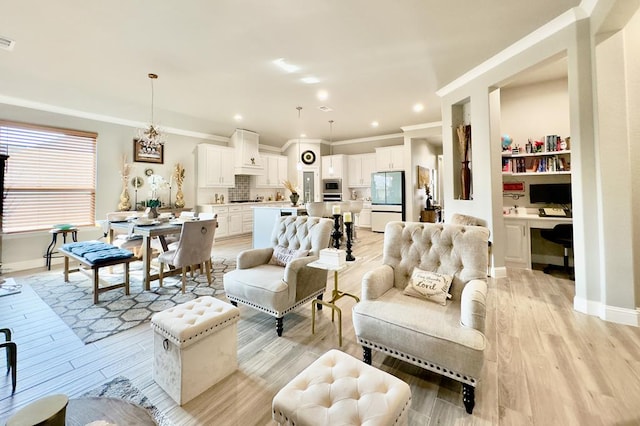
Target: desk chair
[[560, 234]]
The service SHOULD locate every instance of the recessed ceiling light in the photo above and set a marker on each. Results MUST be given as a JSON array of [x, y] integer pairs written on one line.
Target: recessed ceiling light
[[418, 107], [237, 117], [322, 95], [310, 80], [374, 124], [303, 135], [286, 66]]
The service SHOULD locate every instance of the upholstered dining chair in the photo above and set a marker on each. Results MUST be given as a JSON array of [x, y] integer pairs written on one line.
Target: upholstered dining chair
[[426, 304], [194, 249], [276, 279], [127, 241]]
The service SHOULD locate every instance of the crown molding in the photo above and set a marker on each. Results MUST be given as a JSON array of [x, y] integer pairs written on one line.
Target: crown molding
[[8, 100]]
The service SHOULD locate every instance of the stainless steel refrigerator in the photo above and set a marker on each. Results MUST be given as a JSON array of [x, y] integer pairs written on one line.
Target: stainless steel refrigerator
[[387, 199]]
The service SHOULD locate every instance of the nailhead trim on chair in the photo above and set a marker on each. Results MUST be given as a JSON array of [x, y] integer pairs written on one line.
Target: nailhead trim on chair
[[420, 363], [271, 311]]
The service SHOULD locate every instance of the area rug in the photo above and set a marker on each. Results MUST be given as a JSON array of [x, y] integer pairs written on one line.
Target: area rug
[[115, 311], [122, 388]]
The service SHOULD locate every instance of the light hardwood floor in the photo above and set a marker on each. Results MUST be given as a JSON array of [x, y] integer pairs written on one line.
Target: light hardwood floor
[[545, 363]]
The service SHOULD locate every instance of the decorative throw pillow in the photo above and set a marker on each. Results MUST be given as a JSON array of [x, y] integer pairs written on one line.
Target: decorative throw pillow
[[283, 255], [429, 286]]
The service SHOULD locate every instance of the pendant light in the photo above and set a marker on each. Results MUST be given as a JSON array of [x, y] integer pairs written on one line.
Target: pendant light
[[299, 164], [151, 138], [330, 147]]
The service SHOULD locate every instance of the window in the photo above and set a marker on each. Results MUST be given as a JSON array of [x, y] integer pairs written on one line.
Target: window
[[50, 177]]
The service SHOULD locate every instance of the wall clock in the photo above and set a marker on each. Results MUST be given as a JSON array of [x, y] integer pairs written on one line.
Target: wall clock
[[308, 157]]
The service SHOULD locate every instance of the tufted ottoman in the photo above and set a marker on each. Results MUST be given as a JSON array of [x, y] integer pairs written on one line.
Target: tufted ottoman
[[339, 389], [194, 346]]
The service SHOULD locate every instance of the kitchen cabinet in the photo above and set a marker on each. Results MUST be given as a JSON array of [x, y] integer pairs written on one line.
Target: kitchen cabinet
[[517, 243], [215, 166], [247, 219], [363, 219], [247, 157], [360, 168], [338, 162], [235, 220], [390, 158], [275, 171]]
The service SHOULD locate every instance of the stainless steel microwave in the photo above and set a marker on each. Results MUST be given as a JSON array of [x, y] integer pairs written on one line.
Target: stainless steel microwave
[[332, 186]]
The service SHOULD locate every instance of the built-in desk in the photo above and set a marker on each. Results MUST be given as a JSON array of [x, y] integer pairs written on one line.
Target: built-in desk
[[518, 235]]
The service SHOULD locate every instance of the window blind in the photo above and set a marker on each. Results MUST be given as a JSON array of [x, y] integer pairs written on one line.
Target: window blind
[[49, 177]]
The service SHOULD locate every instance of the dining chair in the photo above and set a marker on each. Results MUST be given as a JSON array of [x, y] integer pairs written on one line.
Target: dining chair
[[194, 249]]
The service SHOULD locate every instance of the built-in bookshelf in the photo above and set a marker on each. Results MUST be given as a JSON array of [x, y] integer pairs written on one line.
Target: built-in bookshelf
[[555, 162], [548, 156]]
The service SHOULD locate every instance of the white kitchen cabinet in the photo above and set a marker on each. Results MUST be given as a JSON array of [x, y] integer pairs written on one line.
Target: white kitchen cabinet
[[390, 158], [363, 219], [247, 157], [275, 171], [247, 219], [223, 221], [215, 166], [517, 243], [235, 220], [359, 169], [338, 162]]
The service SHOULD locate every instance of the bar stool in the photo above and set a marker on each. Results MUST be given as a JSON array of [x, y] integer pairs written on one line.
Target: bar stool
[[54, 239], [12, 356]]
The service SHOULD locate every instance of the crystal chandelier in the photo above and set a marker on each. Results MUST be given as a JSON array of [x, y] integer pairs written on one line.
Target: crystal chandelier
[[151, 138]]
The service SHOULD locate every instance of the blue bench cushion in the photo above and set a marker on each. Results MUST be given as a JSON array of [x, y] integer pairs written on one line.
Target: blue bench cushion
[[97, 251]]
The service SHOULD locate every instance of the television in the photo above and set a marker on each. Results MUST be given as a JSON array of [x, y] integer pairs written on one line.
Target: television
[[550, 193]]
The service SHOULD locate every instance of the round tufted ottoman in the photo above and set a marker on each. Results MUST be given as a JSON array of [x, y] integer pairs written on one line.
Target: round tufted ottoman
[[195, 345], [338, 389]]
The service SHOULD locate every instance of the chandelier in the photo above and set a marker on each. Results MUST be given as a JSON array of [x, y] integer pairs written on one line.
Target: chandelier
[[151, 138]]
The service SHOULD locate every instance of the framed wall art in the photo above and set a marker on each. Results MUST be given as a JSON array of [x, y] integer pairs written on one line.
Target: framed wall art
[[143, 153]]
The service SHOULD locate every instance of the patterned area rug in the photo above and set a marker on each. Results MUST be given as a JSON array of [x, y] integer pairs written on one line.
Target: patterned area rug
[[121, 387], [115, 312]]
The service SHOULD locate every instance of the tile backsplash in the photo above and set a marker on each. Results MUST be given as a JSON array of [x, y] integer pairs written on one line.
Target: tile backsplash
[[241, 190]]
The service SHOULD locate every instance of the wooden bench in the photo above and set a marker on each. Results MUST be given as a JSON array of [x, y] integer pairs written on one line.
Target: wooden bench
[[93, 268]]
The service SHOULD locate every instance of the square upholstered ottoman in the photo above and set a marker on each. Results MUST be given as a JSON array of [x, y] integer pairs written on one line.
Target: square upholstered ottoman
[[338, 389], [195, 345]]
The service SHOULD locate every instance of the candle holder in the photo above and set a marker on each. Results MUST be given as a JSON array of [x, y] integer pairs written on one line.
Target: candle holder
[[336, 234], [350, 257]]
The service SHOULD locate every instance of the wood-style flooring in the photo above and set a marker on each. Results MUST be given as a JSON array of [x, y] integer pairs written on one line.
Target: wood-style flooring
[[545, 363]]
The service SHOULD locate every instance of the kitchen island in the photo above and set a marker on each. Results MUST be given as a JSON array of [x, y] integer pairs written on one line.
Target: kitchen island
[[264, 219]]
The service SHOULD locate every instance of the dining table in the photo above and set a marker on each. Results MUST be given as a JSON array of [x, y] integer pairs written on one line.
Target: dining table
[[156, 229]]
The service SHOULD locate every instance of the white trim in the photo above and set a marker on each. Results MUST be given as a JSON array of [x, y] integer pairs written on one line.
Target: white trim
[[499, 272], [422, 126], [552, 27], [370, 139], [614, 314], [8, 100]]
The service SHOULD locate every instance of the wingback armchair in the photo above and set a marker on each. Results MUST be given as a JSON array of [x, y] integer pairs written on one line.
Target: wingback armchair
[[446, 339], [276, 289]]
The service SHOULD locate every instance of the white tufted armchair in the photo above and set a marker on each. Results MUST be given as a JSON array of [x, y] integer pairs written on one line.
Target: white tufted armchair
[[448, 340], [275, 289]]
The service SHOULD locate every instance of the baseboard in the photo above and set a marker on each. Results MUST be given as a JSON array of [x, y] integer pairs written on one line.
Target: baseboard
[[608, 313], [8, 268], [499, 272]]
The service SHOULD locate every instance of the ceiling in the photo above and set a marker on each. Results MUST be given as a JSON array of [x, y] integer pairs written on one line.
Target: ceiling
[[375, 59]]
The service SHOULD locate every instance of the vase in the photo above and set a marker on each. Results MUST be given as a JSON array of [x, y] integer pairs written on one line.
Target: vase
[[153, 212], [125, 201], [465, 180], [179, 198], [294, 197]]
